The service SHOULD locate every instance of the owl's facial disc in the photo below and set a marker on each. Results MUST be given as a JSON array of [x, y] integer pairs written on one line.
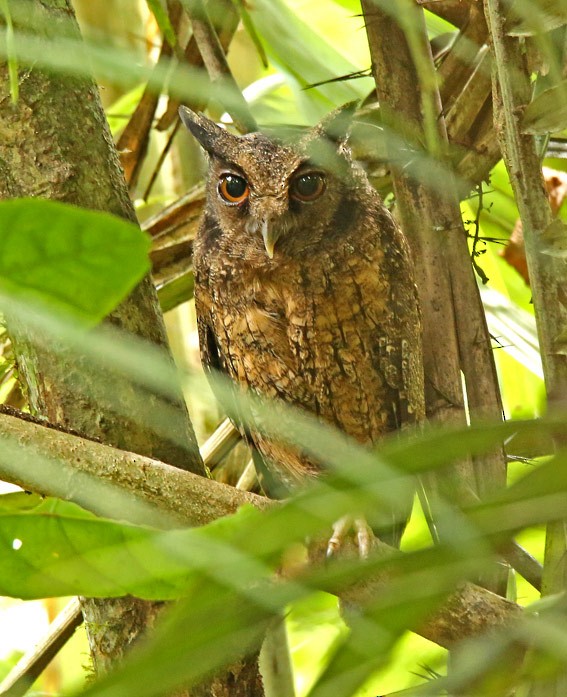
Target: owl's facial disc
[[271, 211], [305, 186]]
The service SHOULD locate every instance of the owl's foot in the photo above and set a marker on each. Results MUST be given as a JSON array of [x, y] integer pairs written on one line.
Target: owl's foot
[[363, 535]]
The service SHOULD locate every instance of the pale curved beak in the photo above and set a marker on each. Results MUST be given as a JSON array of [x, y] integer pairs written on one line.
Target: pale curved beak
[[270, 235]]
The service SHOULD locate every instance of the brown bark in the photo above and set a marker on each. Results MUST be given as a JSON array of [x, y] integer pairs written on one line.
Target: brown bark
[[52, 462], [56, 144], [454, 11], [418, 208]]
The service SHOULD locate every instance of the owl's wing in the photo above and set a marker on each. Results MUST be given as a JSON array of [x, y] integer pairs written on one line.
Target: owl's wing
[[400, 364], [214, 361]]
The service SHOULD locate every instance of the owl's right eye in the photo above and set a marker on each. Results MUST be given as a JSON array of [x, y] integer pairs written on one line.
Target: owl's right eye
[[233, 189]]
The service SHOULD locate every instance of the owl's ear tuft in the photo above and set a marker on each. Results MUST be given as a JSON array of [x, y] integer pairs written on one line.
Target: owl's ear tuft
[[335, 126], [212, 138], [325, 142]]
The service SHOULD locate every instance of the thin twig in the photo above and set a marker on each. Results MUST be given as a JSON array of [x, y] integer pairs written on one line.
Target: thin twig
[[476, 236], [160, 161], [219, 444], [217, 66], [35, 661]]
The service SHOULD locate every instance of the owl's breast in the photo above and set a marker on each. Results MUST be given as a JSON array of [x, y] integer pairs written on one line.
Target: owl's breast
[[316, 336], [252, 327]]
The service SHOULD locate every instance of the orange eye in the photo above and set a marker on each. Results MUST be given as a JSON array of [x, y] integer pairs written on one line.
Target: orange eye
[[233, 189], [309, 186]]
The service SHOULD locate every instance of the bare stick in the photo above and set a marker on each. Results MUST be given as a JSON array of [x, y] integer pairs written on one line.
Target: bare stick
[[33, 662], [217, 66]]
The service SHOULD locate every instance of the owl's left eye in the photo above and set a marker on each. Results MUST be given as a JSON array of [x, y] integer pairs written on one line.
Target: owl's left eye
[[307, 187], [233, 189]]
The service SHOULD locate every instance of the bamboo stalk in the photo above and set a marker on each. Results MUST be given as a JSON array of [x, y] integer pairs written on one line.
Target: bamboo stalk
[[455, 332], [547, 268]]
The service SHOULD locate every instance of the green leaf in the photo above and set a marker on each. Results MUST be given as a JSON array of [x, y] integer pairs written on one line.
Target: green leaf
[[547, 113], [55, 550], [25, 502], [12, 60], [47, 554], [230, 583], [66, 259], [19, 501], [350, 5], [162, 19], [536, 17], [307, 56], [251, 29], [119, 113]]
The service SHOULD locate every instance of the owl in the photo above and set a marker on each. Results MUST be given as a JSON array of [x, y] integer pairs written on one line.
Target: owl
[[304, 291]]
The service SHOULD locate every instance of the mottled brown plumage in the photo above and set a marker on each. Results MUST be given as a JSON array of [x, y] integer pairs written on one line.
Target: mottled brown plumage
[[330, 322]]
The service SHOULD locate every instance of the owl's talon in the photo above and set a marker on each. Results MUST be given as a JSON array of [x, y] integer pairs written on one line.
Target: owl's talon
[[363, 536], [340, 530]]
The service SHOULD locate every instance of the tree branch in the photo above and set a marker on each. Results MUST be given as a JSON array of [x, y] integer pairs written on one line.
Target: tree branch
[[217, 66], [192, 500]]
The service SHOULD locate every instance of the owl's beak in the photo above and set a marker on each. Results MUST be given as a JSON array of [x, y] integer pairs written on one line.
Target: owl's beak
[[270, 235]]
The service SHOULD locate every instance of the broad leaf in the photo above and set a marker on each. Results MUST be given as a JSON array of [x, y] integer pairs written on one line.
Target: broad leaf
[[536, 17], [44, 554], [307, 56], [66, 259], [547, 113]]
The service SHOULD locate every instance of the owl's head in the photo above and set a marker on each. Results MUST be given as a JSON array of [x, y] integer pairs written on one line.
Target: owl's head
[[272, 195]]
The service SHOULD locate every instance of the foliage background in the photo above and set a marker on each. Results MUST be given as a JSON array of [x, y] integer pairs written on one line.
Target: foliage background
[[304, 43]]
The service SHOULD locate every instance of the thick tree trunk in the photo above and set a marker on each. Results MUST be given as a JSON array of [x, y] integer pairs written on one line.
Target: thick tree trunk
[[56, 144], [544, 245]]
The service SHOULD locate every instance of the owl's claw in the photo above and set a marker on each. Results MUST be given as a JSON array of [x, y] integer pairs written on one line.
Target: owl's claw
[[363, 535]]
